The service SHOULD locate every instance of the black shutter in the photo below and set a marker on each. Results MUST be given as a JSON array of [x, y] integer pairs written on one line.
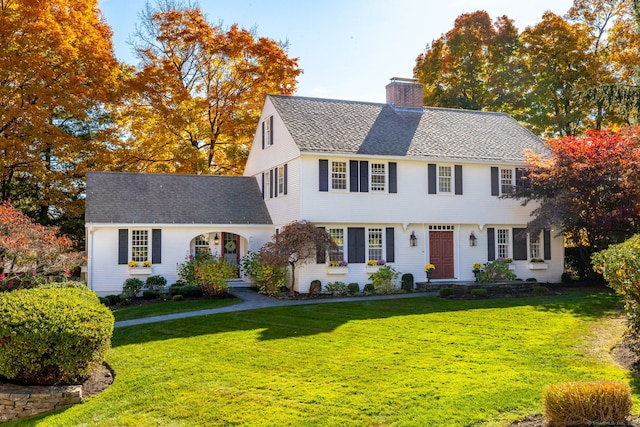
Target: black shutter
[[353, 176], [457, 177], [321, 255], [519, 243], [546, 241], [495, 181], [324, 175], [262, 133], [262, 185], [285, 178], [356, 245], [271, 130], [390, 244], [364, 176], [156, 246], [491, 244], [431, 178], [393, 177], [519, 175], [271, 184], [123, 246]]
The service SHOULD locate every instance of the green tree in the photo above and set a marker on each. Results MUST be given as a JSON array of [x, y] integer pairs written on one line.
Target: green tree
[[471, 66], [556, 59]]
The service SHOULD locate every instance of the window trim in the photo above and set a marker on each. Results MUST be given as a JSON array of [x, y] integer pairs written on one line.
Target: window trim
[[502, 180], [505, 243], [440, 179], [339, 253]]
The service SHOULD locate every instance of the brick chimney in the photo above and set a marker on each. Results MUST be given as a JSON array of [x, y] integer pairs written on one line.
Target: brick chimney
[[404, 94]]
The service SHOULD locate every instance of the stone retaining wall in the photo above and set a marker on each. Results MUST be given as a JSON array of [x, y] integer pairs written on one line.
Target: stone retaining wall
[[27, 401]]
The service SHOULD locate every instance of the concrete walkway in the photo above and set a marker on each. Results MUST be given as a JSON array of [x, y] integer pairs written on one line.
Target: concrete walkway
[[252, 300]]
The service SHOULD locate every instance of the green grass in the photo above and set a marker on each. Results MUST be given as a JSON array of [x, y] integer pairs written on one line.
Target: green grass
[[169, 307], [402, 362]]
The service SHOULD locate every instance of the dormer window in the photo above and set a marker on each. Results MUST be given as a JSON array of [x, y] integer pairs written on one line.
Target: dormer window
[[267, 132]]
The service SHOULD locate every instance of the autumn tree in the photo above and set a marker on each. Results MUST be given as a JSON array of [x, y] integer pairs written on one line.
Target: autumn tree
[[556, 59], [56, 73], [30, 251], [296, 244], [471, 66], [197, 97], [590, 188]]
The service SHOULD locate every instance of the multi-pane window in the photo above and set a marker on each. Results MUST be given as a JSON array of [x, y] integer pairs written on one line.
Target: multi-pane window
[[267, 132], [280, 180], [338, 175], [534, 246], [503, 243], [506, 181], [267, 185], [201, 244], [444, 179], [139, 245], [378, 177], [337, 253], [375, 244]]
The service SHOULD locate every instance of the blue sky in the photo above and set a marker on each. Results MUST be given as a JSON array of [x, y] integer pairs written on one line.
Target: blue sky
[[348, 49]]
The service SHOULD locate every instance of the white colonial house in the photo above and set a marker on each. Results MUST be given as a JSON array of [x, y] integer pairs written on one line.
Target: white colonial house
[[397, 182]]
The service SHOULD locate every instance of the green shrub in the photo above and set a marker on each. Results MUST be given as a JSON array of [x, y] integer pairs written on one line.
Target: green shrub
[[52, 336], [105, 301], [155, 283], [337, 288], [384, 280], [130, 289], [495, 271], [566, 277], [270, 279], [479, 292], [369, 288], [540, 290], [315, 288], [177, 297], [176, 289], [446, 292], [407, 282], [620, 266], [353, 288], [114, 299], [586, 403], [150, 294], [190, 291], [531, 279]]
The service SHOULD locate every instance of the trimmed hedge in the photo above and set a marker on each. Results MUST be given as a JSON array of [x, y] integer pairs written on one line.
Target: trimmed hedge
[[52, 336]]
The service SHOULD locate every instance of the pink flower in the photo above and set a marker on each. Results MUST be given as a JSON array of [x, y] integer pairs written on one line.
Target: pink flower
[[9, 286], [1, 277], [66, 273]]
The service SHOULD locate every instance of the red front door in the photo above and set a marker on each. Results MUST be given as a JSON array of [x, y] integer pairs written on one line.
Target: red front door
[[441, 254]]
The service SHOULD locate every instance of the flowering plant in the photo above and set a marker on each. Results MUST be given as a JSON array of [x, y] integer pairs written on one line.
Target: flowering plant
[[381, 262], [342, 263], [146, 263], [477, 266], [132, 263], [429, 267], [372, 262], [333, 263]]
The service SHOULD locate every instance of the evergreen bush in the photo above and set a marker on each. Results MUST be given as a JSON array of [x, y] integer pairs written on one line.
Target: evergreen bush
[[130, 289], [407, 282], [155, 283], [337, 288], [384, 280], [353, 288], [52, 336]]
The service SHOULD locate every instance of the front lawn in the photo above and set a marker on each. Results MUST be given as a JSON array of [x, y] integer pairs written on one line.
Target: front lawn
[[158, 308], [404, 362]]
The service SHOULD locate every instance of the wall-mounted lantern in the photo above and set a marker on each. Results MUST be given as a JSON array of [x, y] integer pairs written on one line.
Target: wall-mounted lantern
[[216, 239], [413, 239], [473, 240]]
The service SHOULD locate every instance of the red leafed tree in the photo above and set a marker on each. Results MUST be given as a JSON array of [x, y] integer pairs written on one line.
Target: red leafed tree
[[590, 187], [29, 250], [297, 243]]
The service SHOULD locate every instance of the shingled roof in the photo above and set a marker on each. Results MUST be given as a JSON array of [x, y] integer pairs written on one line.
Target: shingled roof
[[114, 197], [348, 127]]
